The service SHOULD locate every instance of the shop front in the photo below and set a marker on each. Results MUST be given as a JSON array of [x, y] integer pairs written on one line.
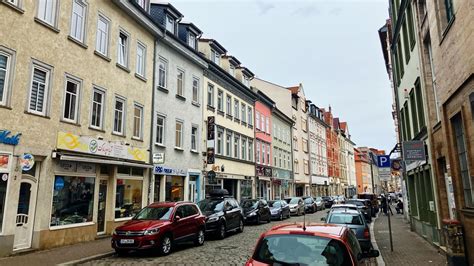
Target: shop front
[[265, 184], [319, 185], [281, 183], [170, 183]]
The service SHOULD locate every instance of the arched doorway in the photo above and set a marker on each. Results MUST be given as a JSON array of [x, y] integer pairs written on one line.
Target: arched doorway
[[24, 220]]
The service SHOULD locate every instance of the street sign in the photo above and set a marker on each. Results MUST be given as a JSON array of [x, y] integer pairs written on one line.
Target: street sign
[[414, 150], [383, 161], [385, 174]]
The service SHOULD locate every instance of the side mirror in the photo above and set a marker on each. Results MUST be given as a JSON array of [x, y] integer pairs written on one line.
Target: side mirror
[[177, 218]]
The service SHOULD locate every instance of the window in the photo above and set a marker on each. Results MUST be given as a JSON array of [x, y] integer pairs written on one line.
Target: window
[[180, 83], [244, 149], [15, 3], [229, 104], [215, 57], [5, 73], [236, 108], [220, 103], [143, 4], [141, 59], [257, 120], [236, 146], [137, 121], [128, 199], [210, 95], [268, 154], [419, 104], [160, 130], [73, 201], [119, 115], [263, 152], [449, 10], [195, 90], [97, 113], [405, 41], [162, 72], [174, 188], [411, 33], [462, 156], [39, 90], [170, 24], [179, 135], [78, 18], [267, 124], [228, 144], [305, 145], [257, 157], [250, 150], [295, 143], [71, 100], [194, 137], [232, 70], [220, 135], [102, 36], [122, 46], [250, 114], [304, 124], [244, 113], [246, 81], [262, 123], [192, 40], [296, 170], [47, 10]]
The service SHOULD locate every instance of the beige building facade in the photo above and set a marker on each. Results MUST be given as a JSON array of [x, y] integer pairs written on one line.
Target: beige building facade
[[75, 99]]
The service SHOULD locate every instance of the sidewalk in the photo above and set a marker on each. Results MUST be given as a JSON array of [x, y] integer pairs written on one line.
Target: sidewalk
[[61, 255], [408, 247]]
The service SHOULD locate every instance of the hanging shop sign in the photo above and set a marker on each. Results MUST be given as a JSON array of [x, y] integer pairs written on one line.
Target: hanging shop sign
[[89, 145], [264, 171], [163, 170], [27, 161], [211, 134], [414, 150], [7, 138]]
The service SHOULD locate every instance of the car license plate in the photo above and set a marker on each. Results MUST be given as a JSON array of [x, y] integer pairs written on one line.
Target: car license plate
[[126, 241]]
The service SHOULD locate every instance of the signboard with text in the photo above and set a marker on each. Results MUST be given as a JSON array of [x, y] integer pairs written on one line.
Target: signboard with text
[[414, 150]]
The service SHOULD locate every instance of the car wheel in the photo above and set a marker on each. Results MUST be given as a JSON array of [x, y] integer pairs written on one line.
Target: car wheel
[[199, 238], [281, 216], [269, 219], [165, 245], [121, 253], [258, 219], [222, 231], [241, 226]]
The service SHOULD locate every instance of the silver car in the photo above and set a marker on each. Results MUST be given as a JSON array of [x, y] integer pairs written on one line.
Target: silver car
[[296, 205]]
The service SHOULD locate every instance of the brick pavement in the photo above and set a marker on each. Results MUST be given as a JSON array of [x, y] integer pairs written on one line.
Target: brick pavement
[[408, 247]]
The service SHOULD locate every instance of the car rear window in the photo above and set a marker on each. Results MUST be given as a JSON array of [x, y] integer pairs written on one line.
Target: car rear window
[[308, 200], [345, 218], [355, 202], [294, 249]]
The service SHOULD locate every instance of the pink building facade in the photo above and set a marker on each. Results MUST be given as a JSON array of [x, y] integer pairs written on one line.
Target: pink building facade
[[263, 145]]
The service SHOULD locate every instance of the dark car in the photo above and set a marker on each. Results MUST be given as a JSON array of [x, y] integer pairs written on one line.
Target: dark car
[[256, 210], [363, 206], [309, 205], [223, 214], [313, 244], [296, 205], [279, 209], [355, 221], [328, 201], [373, 200], [160, 226], [319, 203]]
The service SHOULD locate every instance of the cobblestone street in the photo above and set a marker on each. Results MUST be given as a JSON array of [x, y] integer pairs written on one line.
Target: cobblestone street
[[233, 250]]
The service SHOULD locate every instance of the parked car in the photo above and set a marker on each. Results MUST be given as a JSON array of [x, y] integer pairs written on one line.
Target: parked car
[[328, 201], [313, 244], [296, 205], [279, 209], [223, 214], [355, 221], [343, 206], [309, 205], [319, 203], [373, 199], [160, 226], [256, 210], [364, 207], [339, 199]]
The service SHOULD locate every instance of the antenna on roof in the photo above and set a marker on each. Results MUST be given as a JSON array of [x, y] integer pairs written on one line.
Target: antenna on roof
[[304, 221]]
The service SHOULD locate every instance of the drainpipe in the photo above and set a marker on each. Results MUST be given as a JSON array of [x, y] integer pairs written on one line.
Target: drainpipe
[[152, 179]]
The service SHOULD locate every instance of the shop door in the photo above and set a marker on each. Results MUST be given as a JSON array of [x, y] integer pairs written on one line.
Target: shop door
[[25, 215], [102, 206], [192, 191]]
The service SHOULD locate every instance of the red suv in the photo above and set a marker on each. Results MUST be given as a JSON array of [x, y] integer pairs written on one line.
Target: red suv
[[159, 226], [315, 244]]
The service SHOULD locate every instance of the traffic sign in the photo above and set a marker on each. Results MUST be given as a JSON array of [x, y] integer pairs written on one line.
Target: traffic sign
[[383, 161]]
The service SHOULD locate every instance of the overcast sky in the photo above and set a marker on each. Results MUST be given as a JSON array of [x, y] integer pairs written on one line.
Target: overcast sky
[[330, 46]]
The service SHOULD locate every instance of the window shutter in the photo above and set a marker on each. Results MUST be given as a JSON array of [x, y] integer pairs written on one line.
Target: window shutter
[[38, 90]]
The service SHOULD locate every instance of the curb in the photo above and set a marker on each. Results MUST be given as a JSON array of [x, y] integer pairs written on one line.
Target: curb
[[86, 259], [380, 260]]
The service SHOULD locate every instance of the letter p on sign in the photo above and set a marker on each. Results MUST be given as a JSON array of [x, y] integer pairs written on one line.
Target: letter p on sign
[[383, 161]]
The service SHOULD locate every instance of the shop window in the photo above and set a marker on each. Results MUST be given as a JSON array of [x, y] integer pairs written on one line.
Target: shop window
[[73, 200], [128, 197], [246, 189], [174, 188], [4, 167], [212, 184]]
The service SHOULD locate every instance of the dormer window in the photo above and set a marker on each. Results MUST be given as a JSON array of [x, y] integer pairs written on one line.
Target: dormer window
[[215, 57], [143, 4], [170, 24], [192, 40], [232, 70], [246, 81]]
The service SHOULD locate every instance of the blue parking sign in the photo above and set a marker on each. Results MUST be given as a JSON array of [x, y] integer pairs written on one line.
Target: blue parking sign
[[383, 161]]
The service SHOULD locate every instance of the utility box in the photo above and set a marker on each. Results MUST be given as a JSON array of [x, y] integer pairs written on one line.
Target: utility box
[[454, 236]]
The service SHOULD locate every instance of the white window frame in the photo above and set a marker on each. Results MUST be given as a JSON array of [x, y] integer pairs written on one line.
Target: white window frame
[[194, 136], [192, 40], [267, 124], [196, 86], [243, 110], [243, 144], [162, 70], [232, 70], [250, 147], [228, 143], [250, 116], [163, 129], [220, 100], [47, 87], [228, 104], [262, 123], [83, 25], [220, 142], [54, 12], [170, 26], [140, 126], [236, 108], [257, 152], [102, 107], [210, 94], [141, 60], [78, 83], [181, 133], [246, 80], [9, 74], [236, 146], [99, 33], [263, 152], [257, 120], [17, 3], [121, 130], [143, 4], [183, 85], [126, 49]]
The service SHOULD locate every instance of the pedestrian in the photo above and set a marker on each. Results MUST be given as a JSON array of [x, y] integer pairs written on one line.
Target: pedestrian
[[384, 204], [399, 207]]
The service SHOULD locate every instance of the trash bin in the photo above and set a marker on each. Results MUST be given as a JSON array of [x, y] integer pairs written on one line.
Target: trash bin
[[453, 234]]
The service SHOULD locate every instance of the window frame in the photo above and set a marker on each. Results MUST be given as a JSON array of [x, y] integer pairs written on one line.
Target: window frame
[[179, 72], [250, 115], [228, 143], [228, 104], [210, 95], [126, 56], [78, 82], [85, 5], [195, 136], [102, 107], [243, 110], [123, 100], [181, 133], [140, 128], [172, 23], [163, 129], [9, 75], [141, 46], [220, 141], [54, 14], [192, 42], [196, 89], [47, 88], [162, 71], [220, 100], [106, 20], [250, 149], [236, 108]]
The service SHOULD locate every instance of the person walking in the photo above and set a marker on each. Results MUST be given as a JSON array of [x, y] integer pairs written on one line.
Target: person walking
[[399, 207], [383, 201]]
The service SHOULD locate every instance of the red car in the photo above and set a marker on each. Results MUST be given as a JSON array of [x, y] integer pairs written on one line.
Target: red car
[[316, 244], [159, 226]]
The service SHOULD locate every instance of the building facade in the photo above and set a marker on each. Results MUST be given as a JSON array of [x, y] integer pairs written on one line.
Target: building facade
[[333, 154], [89, 171], [318, 152]]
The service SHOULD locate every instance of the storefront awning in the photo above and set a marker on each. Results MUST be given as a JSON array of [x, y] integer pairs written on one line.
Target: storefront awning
[[101, 161]]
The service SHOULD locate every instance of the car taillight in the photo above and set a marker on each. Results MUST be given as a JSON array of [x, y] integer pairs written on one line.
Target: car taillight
[[249, 263], [366, 233]]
